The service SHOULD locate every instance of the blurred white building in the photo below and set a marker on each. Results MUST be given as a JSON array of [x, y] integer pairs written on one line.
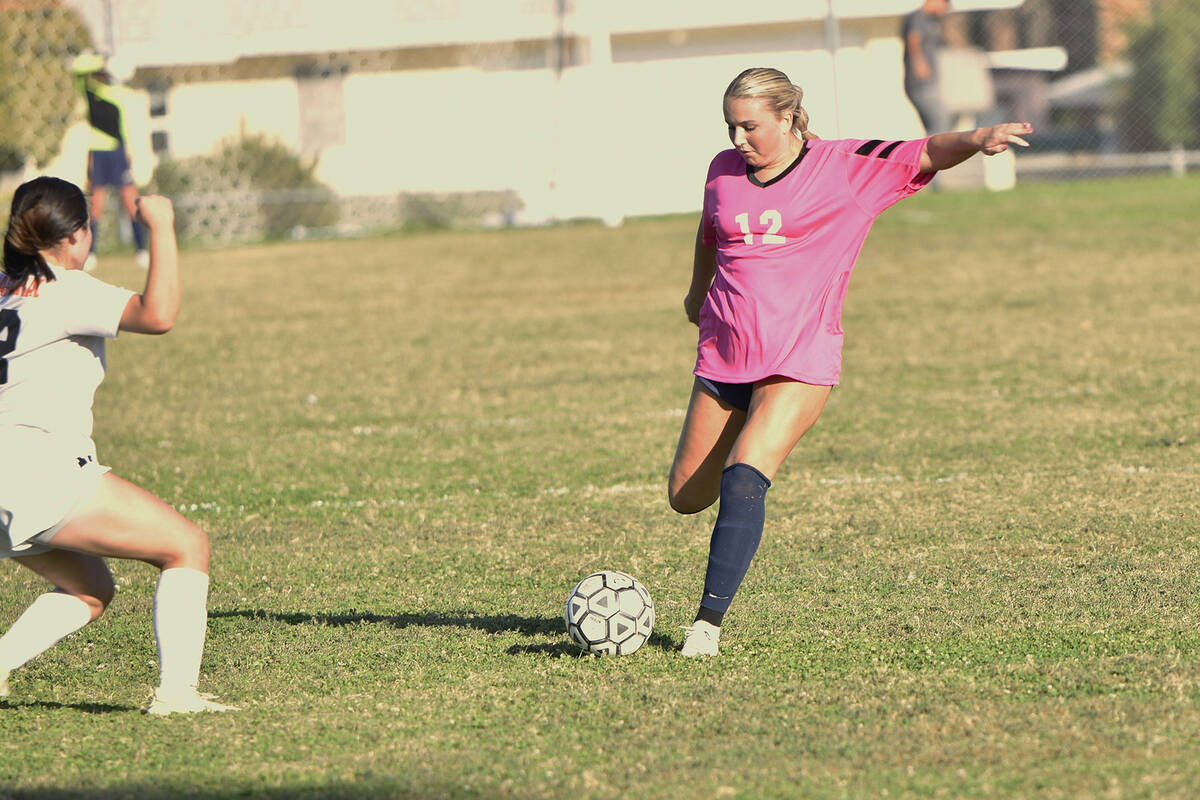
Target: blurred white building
[[581, 108]]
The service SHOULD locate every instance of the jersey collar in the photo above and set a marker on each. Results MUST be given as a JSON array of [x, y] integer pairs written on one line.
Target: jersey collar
[[763, 184]]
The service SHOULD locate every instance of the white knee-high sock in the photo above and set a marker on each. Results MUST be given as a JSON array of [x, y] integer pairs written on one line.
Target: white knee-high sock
[[180, 622], [50, 617]]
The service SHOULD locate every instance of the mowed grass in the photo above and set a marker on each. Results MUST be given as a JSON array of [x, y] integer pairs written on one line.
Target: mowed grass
[[980, 575]]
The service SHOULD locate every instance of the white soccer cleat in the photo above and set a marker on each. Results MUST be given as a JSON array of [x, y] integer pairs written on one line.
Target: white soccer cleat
[[700, 639], [90, 263], [164, 703], [4, 690], [142, 257]]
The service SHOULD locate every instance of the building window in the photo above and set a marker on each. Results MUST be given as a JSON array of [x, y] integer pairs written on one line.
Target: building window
[[159, 144], [158, 99]]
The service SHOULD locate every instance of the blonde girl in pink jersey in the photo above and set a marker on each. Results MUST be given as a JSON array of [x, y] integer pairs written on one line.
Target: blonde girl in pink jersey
[[61, 512], [785, 215]]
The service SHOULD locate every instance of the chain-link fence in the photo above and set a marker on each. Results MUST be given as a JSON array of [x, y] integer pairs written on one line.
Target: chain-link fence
[[1124, 98], [301, 118]]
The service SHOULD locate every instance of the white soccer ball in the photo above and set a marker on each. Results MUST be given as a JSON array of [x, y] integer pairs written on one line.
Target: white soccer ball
[[609, 613]]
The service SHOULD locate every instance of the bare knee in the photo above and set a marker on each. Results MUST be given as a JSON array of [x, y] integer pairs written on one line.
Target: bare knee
[[188, 547], [691, 488], [96, 595], [79, 575], [685, 499], [96, 603], [196, 550]]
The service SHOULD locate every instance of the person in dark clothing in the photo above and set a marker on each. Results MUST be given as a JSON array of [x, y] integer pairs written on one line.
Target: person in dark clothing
[[108, 157], [922, 40]]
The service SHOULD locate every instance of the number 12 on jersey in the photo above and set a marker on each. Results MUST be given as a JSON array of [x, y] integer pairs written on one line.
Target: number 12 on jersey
[[771, 218]]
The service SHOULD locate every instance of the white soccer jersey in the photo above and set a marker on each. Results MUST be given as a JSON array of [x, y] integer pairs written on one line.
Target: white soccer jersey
[[52, 349]]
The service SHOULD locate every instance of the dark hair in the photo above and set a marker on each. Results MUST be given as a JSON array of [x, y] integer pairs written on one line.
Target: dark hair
[[45, 211]]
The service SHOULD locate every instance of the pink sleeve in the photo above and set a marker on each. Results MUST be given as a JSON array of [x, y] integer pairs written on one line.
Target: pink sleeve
[[882, 172], [708, 229]]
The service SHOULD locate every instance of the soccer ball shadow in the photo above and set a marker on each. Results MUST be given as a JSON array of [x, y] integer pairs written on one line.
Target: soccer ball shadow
[[570, 649]]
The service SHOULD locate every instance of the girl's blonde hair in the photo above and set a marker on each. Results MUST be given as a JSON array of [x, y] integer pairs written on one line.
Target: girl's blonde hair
[[780, 93]]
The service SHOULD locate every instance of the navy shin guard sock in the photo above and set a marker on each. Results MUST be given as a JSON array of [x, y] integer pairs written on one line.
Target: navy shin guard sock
[[95, 226], [735, 537]]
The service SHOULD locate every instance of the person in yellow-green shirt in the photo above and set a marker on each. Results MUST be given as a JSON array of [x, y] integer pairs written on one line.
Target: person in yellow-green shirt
[[108, 158]]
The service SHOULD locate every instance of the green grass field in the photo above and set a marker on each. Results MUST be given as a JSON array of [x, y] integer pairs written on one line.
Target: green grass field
[[980, 575]]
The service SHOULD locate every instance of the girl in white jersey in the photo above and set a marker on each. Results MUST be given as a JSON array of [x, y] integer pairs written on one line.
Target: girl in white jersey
[[785, 215], [61, 512]]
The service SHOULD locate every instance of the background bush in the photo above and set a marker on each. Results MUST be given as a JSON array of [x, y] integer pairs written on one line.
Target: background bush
[[252, 178]]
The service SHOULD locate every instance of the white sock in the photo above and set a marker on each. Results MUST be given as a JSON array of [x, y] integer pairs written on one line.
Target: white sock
[[50, 617], [180, 622]]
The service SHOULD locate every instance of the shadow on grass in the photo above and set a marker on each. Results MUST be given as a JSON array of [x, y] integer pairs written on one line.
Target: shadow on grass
[[87, 708], [496, 623], [499, 623], [375, 790], [569, 648]]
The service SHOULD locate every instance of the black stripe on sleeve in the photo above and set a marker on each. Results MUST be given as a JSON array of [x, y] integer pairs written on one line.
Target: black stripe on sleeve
[[887, 151], [867, 147]]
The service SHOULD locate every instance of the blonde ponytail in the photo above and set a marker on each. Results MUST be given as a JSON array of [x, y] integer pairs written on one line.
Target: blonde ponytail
[[780, 93]]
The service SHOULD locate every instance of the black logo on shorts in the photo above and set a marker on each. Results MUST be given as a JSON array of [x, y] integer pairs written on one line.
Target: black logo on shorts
[[83, 461]]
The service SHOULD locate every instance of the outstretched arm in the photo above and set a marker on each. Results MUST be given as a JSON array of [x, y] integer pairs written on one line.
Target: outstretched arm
[[947, 149]]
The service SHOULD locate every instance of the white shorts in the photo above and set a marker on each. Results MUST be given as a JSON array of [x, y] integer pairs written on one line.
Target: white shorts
[[43, 480]]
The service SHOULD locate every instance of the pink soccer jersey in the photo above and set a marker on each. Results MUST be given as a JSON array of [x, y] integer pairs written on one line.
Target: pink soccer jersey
[[785, 250]]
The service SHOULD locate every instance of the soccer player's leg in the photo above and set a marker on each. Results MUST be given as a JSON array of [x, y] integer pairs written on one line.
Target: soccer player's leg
[[709, 431], [95, 211], [122, 520], [83, 588], [129, 201], [781, 411]]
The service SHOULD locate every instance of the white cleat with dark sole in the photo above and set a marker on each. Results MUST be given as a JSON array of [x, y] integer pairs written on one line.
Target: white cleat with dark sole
[[700, 639]]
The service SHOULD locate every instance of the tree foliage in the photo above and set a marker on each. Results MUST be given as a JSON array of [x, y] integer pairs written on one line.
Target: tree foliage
[[1163, 103], [37, 92]]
